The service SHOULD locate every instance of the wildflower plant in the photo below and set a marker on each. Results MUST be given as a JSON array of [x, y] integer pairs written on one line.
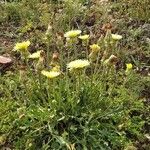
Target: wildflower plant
[[69, 101]]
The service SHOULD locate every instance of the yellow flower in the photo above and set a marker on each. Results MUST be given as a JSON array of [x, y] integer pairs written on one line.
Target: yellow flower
[[78, 64], [72, 33], [84, 37], [35, 55], [129, 67], [116, 37], [50, 74], [22, 46], [95, 47], [56, 68]]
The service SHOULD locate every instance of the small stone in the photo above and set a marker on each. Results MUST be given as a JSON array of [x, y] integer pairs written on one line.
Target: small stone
[[5, 60], [5, 63]]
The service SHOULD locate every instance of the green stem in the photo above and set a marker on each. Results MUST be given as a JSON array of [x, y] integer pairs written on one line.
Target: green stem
[[97, 62]]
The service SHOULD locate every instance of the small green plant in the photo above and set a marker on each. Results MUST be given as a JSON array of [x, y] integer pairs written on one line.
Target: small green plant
[[86, 105], [75, 90]]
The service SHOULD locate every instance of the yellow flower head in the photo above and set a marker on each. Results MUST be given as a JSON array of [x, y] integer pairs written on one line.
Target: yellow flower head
[[56, 68], [50, 74], [95, 47], [78, 64], [84, 37], [22, 46], [72, 33], [35, 55], [129, 67], [116, 37]]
